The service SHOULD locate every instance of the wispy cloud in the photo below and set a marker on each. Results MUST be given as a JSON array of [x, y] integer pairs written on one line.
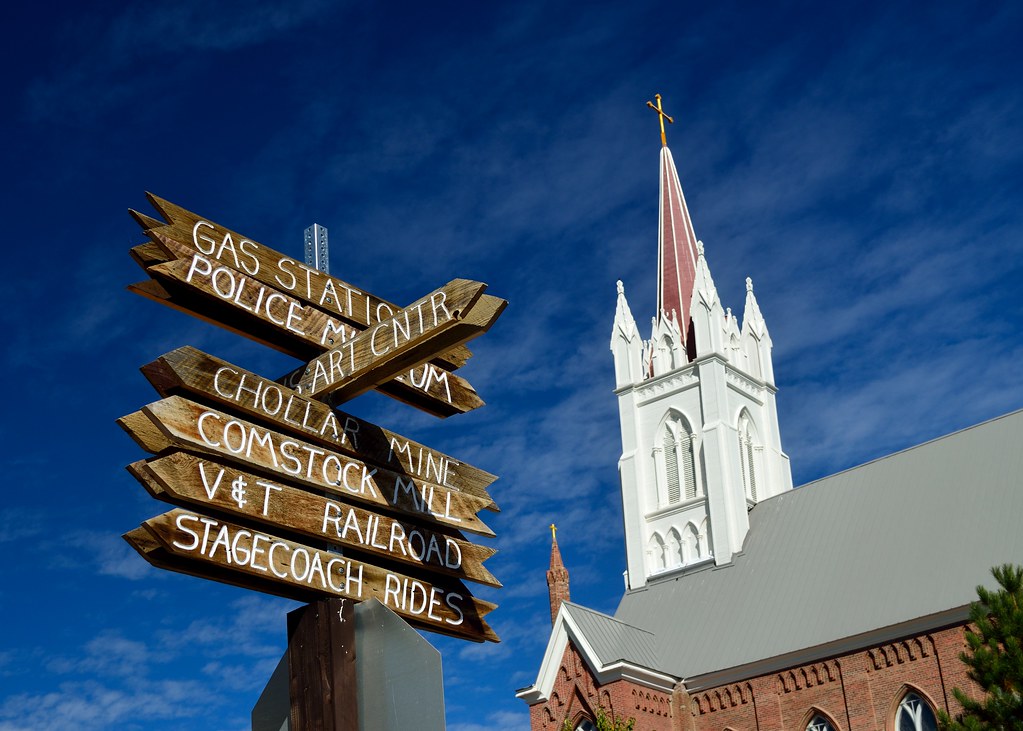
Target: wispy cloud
[[867, 183], [90, 704], [106, 73]]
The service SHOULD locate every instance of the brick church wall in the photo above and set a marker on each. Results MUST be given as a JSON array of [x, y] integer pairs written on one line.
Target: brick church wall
[[859, 691], [576, 694]]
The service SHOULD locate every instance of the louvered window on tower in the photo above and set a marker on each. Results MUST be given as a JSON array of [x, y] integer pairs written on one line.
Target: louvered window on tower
[[677, 470], [752, 469], [671, 466], [748, 456], [688, 466]]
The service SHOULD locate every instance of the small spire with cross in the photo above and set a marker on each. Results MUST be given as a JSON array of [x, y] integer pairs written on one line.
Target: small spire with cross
[[557, 577], [662, 116]]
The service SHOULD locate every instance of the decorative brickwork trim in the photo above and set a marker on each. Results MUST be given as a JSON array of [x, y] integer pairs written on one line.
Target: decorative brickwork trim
[[808, 676], [651, 703], [729, 696], [897, 653]]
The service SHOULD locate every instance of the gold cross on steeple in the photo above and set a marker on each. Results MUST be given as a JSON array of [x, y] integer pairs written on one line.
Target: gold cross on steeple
[[662, 116], [554, 532]]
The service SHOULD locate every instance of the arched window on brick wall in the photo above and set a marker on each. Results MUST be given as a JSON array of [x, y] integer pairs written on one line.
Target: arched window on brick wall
[[820, 723], [914, 714]]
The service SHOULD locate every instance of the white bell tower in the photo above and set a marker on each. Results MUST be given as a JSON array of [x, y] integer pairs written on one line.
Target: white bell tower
[[700, 441]]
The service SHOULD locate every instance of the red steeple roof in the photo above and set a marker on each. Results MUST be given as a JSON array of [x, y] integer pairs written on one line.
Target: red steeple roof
[[676, 248]]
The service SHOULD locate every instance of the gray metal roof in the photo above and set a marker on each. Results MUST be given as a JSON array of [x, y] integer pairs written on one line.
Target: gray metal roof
[[903, 537], [613, 640]]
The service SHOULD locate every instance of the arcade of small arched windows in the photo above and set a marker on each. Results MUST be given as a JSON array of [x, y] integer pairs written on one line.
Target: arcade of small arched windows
[[678, 548]]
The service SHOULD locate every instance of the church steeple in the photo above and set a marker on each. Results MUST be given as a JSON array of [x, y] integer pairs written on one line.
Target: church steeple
[[676, 249], [676, 242], [700, 438], [557, 577]]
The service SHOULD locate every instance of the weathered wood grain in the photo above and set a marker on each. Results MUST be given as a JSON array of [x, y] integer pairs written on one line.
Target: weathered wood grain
[[452, 314], [149, 548], [240, 304], [185, 479], [212, 548], [194, 427], [413, 388], [145, 433], [197, 234], [149, 253], [188, 371], [321, 667]]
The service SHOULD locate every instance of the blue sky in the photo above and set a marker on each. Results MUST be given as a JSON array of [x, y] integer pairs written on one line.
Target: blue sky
[[863, 163]]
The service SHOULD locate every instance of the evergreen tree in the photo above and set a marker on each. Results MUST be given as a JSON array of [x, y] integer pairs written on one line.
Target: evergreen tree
[[995, 658]]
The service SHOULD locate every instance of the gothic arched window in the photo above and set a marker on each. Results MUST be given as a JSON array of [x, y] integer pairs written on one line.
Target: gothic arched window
[[671, 465], [819, 723], [655, 552], [667, 350], [676, 470], [690, 543], [675, 551], [914, 714], [749, 455]]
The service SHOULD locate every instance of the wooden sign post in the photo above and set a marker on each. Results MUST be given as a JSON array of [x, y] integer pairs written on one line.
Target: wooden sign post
[[278, 491], [321, 664]]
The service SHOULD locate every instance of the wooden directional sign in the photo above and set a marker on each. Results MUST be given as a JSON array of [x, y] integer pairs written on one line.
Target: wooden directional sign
[[455, 313], [191, 426], [272, 298], [212, 484], [217, 294], [188, 232], [213, 548], [187, 371], [256, 465]]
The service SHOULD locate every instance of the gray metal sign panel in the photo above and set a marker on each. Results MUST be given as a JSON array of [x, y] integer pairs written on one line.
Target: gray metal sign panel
[[398, 673]]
